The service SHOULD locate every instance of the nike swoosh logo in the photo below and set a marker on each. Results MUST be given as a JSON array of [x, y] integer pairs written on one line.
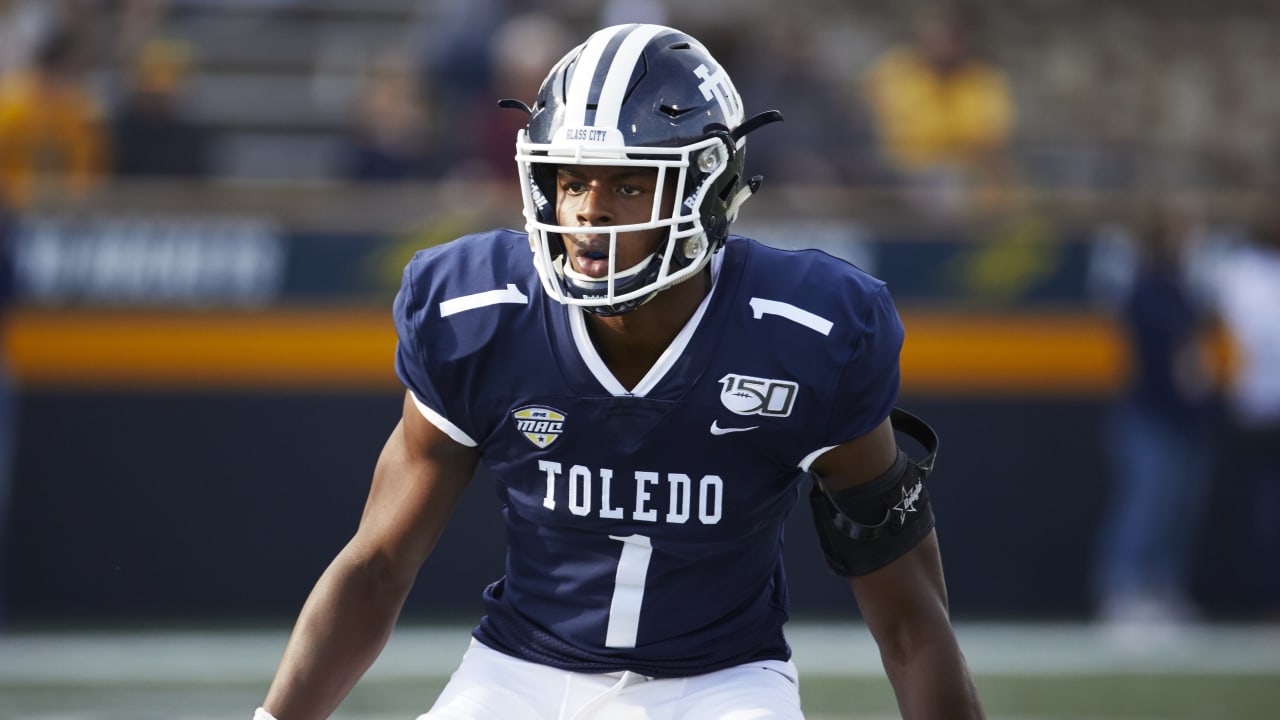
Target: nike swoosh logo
[[717, 430]]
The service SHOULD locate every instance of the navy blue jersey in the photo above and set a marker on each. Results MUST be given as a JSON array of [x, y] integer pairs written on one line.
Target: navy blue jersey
[[645, 525]]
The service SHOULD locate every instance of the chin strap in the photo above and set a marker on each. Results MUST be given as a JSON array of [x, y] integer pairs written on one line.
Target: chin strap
[[746, 191], [749, 125]]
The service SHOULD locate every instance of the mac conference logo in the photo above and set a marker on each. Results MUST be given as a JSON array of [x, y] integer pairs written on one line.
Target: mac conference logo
[[539, 423]]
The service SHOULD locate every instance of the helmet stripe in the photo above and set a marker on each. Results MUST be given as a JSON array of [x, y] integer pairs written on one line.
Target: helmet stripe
[[603, 73], [579, 94], [609, 105]]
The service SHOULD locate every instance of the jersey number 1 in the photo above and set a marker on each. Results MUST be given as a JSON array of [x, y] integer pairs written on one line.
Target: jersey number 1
[[628, 591]]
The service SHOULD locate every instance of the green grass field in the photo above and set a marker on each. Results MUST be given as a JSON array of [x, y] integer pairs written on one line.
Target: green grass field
[[1070, 697], [1065, 697], [1024, 672]]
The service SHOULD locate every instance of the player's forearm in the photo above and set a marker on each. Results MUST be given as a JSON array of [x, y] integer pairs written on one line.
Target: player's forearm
[[341, 630], [935, 685]]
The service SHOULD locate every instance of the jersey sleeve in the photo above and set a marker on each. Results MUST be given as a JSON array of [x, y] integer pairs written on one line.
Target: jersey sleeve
[[868, 387], [413, 364]]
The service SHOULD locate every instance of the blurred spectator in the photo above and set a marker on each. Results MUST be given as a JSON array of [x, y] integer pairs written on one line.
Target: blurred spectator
[[138, 24], [828, 135], [150, 134], [1248, 304], [943, 114], [22, 23], [52, 140], [25, 24], [394, 136], [1157, 439], [520, 51], [454, 56]]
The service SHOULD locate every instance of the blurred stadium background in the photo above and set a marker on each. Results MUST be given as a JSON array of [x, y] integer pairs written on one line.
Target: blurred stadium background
[[200, 353]]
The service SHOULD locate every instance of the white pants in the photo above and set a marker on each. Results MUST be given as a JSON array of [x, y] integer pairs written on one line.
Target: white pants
[[490, 685]]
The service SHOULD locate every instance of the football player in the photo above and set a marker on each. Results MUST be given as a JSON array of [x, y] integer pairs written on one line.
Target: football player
[[651, 395]]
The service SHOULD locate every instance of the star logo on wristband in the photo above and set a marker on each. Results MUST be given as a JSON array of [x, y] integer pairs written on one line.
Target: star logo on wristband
[[908, 502]]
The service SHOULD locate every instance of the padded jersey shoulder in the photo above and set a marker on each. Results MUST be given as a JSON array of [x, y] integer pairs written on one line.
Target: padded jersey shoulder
[[834, 296], [827, 318]]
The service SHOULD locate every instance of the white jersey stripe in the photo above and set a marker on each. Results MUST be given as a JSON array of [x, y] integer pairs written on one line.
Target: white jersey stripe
[[807, 461], [443, 423], [761, 307], [609, 106], [510, 294]]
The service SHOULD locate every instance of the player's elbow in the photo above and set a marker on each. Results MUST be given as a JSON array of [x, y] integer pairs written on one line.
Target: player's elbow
[[897, 645], [379, 572], [910, 644]]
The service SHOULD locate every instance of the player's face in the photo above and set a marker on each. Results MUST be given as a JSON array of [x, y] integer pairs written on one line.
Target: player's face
[[589, 196]]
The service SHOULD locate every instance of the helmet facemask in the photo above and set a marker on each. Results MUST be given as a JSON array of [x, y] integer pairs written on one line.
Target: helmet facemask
[[684, 176]]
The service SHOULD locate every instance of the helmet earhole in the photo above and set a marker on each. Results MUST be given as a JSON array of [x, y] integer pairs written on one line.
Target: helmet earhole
[[711, 158], [693, 246]]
